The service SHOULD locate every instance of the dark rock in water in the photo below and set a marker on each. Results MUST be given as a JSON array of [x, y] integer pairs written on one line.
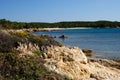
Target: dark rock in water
[[87, 52], [54, 36], [63, 36], [35, 30]]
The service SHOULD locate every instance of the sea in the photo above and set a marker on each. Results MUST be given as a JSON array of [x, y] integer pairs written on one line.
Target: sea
[[104, 42]]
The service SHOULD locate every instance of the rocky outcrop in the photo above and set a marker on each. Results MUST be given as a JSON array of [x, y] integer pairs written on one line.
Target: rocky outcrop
[[73, 63], [66, 61], [101, 69]]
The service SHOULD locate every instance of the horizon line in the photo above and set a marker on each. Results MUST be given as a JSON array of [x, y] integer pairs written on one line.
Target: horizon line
[[60, 21]]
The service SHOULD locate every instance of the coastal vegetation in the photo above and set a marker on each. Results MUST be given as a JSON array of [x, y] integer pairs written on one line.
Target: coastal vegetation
[[26, 56], [20, 57], [6, 24]]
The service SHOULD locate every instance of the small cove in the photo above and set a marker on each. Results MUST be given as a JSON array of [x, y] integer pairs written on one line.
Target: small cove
[[105, 42]]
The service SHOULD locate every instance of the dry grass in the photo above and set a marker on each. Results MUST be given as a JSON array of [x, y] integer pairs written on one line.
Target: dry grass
[[27, 49]]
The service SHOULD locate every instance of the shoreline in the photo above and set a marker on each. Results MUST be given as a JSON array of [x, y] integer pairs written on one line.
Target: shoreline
[[33, 29], [99, 54], [45, 29], [69, 61], [80, 28]]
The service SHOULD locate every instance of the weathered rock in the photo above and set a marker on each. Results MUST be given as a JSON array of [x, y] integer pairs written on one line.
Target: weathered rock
[[74, 53], [66, 61], [88, 52], [73, 63]]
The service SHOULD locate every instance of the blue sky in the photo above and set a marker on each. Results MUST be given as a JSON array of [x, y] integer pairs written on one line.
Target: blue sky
[[59, 10]]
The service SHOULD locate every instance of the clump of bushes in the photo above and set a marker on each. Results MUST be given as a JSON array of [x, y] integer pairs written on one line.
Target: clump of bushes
[[21, 34], [44, 40], [41, 40], [10, 40], [13, 67], [7, 42]]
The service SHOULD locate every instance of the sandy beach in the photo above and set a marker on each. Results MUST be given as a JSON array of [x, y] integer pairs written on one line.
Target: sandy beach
[[32, 29]]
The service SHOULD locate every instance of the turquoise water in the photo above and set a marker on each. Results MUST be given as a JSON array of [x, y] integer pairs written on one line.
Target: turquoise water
[[105, 42]]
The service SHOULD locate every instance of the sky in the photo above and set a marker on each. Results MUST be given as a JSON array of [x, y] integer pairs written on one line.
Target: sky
[[59, 10]]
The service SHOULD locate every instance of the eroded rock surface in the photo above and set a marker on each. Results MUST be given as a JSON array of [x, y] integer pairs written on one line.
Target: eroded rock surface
[[73, 63]]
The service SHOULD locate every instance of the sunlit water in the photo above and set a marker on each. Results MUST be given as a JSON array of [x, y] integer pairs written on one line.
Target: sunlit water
[[105, 42]]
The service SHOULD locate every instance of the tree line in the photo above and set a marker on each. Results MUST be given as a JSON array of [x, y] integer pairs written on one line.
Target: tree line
[[6, 24]]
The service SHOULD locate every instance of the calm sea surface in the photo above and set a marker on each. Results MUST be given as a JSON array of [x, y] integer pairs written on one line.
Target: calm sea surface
[[105, 42]]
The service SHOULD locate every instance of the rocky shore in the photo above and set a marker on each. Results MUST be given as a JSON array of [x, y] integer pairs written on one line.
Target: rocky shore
[[34, 55], [73, 63]]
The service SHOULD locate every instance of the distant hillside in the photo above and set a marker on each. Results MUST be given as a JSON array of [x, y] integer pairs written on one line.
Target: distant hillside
[[6, 24]]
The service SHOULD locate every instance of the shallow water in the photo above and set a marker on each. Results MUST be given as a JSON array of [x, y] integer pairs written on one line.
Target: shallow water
[[105, 42]]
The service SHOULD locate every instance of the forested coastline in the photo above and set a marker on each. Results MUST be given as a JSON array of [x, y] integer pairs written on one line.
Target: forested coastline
[[7, 24]]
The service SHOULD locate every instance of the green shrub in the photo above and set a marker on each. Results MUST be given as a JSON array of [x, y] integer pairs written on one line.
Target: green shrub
[[6, 42], [12, 67], [21, 34], [10, 40], [44, 40], [38, 53]]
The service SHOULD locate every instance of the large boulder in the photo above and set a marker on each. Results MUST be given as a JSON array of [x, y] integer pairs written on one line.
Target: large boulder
[[66, 61]]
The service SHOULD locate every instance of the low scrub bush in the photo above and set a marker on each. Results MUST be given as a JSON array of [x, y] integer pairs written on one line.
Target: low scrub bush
[[21, 34], [13, 67], [6, 42], [44, 40], [10, 40]]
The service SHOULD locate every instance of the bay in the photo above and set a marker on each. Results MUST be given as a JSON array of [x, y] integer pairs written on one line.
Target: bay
[[105, 42]]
